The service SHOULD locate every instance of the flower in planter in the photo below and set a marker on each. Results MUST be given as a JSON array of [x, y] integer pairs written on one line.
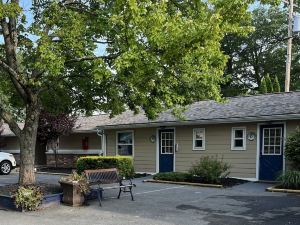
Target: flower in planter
[[74, 186], [76, 179]]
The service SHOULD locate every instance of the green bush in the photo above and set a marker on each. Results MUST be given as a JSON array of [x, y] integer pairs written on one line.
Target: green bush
[[211, 169], [173, 176], [290, 179], [122, 163], [29, 198], [292, 149]]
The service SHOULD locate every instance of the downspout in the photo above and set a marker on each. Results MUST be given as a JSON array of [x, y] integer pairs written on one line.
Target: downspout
[[101, 134]]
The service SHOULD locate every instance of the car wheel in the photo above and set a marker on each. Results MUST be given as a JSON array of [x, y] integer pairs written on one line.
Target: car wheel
[[5, 167]]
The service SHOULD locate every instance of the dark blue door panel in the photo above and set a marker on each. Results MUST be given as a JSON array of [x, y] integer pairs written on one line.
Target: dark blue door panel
[[270, 165], [166, 163], [166, 159]]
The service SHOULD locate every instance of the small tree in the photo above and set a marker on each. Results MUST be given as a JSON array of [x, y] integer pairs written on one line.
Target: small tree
[[51, 127], [292, 148], [269, 84], [276, 85], [263, 87]]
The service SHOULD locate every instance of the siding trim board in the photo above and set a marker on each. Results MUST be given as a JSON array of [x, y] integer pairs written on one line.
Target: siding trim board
[[15, 151], [76, 152]]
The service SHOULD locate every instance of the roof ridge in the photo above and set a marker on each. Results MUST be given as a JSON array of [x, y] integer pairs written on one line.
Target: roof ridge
[[266, 94]]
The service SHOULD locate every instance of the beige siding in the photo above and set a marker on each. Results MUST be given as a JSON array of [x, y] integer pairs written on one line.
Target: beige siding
[[217, 143], [291, 127], [144, 150], [74, 141]]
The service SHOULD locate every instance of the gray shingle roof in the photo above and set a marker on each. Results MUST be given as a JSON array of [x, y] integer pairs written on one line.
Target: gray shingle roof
[[278, 106], [236, 109]]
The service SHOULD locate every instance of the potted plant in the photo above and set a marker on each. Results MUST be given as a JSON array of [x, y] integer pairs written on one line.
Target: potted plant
[[74, 187]]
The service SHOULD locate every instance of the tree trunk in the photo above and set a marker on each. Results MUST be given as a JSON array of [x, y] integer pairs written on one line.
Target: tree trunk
[[27, 145], [40, 153]]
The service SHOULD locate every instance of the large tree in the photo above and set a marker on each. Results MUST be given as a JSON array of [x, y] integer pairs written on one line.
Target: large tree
[[262, 52], [109, 55]]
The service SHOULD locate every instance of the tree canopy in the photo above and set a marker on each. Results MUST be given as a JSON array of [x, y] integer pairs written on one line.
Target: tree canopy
[[110, 55], [262, 52]]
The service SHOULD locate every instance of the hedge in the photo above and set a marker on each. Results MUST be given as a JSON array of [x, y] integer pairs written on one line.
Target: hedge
[[122, 163]]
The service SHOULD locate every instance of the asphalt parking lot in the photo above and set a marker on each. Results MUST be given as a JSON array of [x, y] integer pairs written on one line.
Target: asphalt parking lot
[[170, 204]]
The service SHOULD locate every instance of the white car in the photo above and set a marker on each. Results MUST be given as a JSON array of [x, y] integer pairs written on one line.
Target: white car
[[7, 163]]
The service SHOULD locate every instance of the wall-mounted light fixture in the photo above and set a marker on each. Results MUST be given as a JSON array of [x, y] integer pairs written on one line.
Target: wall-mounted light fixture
[[152, 138]]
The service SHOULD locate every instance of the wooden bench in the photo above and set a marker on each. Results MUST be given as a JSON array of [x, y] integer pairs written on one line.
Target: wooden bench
[[99, 177]]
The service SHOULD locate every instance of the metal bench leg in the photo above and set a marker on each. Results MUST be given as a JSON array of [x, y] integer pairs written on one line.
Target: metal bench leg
[[119, 193], [130, 189], [99, 194]]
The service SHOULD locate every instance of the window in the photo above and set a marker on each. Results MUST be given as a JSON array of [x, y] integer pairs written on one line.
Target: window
[[125, 143], [199, 139], [238, 138], [272, 141], [167, 142]]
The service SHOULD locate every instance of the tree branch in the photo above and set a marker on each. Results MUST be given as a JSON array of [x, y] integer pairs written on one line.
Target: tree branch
[[15, 79], [90, 58], [8, 118]]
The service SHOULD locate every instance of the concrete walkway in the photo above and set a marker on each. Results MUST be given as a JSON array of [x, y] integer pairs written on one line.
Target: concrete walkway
[[160, 204]]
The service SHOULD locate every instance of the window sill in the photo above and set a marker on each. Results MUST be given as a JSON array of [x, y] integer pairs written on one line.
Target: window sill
[[238, 149], [198, 149]]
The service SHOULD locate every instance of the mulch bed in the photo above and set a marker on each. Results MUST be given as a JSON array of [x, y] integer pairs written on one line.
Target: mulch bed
[[139, 175], [230, 182], [225, 182], [282, 187], [47, 189]]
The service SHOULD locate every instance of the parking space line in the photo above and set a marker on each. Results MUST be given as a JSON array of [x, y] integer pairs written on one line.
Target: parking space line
[[164, 189], [146, 192]]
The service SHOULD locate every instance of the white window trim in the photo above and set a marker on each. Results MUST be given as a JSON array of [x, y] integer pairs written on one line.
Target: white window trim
[[233, 138], [125, 131], [203, 140]]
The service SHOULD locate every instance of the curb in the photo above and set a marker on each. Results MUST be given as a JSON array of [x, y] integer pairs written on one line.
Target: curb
[[50, 173], [282, 190], [184, 183]]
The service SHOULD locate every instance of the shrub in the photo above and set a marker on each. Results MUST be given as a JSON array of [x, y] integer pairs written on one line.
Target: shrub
[[292, 148], [122, 163], [29, 198], [290, 179], [211, 169], [173, 176]]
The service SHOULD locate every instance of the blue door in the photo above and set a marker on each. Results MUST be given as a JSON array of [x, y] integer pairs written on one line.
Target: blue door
[[166, 150], [271, 151]]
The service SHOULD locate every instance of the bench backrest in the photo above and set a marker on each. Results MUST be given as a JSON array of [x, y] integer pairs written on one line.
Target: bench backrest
[[102, 176]]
